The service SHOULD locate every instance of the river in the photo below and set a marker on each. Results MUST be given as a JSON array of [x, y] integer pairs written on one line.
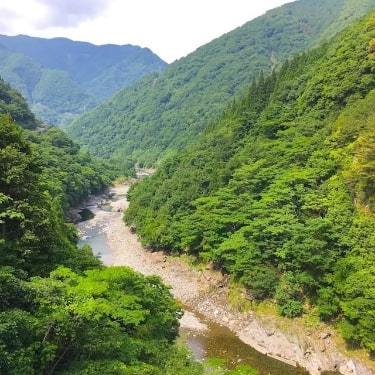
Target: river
[[215, 340]]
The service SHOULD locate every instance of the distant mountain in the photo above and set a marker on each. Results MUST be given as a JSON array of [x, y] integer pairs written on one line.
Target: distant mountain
[[61, 78], [167, 111]]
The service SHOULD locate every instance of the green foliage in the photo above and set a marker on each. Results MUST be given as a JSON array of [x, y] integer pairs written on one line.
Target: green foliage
[[61, 78], [69, 174], [41, 177], [85, 319], [328, 303], [216, 366], [289, 295], [12, 103], [57, 98], [112, 320], [33, 237], [166, 112], [33, 234], [278, 192], [179, 361]]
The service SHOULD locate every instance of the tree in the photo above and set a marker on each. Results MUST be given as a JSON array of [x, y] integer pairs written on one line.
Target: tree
[[33, 235], [113, 317]]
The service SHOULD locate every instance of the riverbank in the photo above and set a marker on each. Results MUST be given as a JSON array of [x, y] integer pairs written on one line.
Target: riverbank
[[206, 291]]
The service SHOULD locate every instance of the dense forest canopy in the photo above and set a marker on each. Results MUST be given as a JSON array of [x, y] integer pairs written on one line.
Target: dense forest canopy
[[61, 310], [167, 111], [276, 190], [61, 78], [43, 173], [13, 104], [68, 173], [279, 191]]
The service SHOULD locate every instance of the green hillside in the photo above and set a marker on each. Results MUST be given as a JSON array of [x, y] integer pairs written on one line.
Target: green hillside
[[61, 311], [167, 111], [13, 104], [61, 78], [68, 174], [279, 191]]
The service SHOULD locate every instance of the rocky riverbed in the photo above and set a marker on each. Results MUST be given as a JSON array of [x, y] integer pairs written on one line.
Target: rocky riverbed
[[206, 291]]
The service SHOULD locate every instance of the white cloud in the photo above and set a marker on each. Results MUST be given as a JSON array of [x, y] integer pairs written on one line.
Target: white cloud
[[170, 28], [69, 13]]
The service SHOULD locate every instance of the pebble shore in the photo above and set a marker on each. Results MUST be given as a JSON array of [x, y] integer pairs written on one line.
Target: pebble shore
[[205, 292]]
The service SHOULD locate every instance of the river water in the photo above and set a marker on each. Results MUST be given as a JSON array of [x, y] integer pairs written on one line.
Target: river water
[[216, 341], [220, 342]]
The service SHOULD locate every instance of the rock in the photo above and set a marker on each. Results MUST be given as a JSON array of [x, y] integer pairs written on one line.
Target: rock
[[349, 368], [269, 331], [281, 359], [324, 335], [190, 288], [191, 321], [321, 346], [233, 323]]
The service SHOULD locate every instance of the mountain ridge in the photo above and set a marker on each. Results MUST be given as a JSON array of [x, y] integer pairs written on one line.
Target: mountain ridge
[[69, 74], [278, 193], [165, 112]]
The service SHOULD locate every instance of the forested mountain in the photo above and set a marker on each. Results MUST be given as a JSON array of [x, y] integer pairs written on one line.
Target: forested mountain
[[279, 191], [61, 78], [43, 173], [61, 311], [168, 111], [69, 173], [13, 104]]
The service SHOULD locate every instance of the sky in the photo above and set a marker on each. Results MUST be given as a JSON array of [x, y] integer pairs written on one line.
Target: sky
[[170, 28]]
